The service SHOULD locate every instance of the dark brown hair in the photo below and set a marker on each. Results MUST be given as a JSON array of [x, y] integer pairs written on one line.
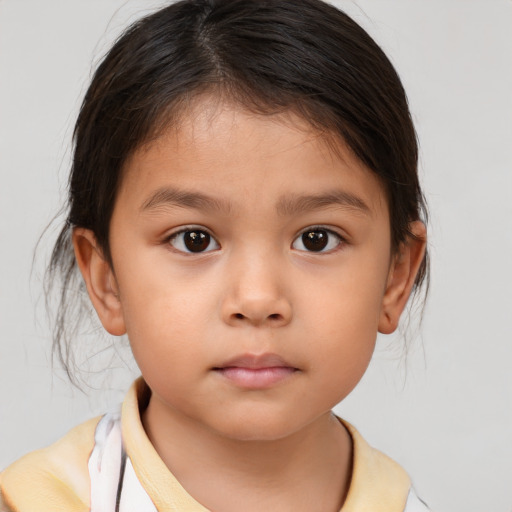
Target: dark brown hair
[[267, 55]]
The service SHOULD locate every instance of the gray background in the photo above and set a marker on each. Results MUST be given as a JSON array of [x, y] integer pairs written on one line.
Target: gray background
[[445, 412]]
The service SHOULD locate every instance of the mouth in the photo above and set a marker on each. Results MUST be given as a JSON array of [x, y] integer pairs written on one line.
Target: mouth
[[256, 371]]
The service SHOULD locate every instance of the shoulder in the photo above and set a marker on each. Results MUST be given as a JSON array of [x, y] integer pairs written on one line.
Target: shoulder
[[54, 478], [415, 504], [378, 482]]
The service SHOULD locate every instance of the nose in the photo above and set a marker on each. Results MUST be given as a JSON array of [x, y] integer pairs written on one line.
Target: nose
[[256, 294]]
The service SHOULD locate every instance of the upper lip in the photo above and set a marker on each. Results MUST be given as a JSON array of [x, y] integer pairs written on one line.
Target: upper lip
[[255, 361]]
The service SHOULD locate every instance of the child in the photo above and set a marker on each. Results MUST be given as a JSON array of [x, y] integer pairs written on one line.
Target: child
[[244, 205]]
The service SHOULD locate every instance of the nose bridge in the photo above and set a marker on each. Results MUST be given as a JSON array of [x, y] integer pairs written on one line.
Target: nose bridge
[[256, 291]]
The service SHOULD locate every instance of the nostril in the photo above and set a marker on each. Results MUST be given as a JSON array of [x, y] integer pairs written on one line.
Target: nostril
[[273, 316]]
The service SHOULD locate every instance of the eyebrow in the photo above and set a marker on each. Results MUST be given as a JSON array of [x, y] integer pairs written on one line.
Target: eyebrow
[[291, 206], [185, 199], [286, 206]]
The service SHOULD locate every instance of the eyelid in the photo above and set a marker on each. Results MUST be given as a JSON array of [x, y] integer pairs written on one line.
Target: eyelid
[[331, 231], [183, 229]]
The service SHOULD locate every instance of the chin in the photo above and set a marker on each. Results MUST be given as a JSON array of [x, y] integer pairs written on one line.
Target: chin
[[256, 427]]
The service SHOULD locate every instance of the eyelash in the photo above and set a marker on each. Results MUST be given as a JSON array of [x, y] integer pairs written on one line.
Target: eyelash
[[312, 229], [191, 229], [209, 239]]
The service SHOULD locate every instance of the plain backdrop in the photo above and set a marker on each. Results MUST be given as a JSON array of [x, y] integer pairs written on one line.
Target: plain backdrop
[[445, 412]]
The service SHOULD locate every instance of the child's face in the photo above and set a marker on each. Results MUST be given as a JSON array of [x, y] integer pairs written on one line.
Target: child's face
[[273, 319]]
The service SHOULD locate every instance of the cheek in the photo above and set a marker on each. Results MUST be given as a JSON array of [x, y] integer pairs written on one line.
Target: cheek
[[347, 297], [344, 353], [164, 315], [344, 310]]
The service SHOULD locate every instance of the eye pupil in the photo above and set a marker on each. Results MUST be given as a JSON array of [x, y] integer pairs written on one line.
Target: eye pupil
[[196, 241], [315, 240]]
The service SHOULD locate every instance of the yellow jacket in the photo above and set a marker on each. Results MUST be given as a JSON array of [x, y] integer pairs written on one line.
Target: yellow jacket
[[108, 464]]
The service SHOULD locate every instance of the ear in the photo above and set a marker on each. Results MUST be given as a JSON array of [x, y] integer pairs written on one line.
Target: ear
[[401, 277], [100, 281]]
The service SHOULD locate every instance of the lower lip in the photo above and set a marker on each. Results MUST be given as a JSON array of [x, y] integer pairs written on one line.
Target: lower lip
[[256, 378]]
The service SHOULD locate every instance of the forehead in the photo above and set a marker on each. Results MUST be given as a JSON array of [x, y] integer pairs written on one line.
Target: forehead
[[237, 155]]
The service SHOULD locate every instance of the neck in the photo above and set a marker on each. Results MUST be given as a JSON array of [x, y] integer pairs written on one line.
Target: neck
[[307, 470]]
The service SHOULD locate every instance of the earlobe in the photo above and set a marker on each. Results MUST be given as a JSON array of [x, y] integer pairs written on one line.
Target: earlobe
[[100, 281], [401, 278]]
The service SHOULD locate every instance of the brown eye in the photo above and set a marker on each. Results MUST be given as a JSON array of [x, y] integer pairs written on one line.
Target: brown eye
[[193, 240], [196, 241], [317, 240]]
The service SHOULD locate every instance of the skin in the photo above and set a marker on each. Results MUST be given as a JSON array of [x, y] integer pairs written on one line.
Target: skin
[[256, 290]]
